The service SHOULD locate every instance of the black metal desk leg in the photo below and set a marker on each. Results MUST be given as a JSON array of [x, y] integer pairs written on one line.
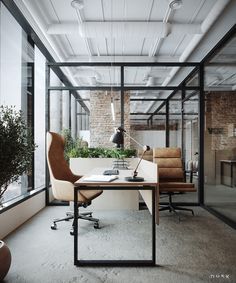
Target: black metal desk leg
[[231, 174], [221, 172], [154, 225], [76, 212]]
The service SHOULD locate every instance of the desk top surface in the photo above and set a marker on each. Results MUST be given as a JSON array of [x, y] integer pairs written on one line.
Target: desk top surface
[[228, 161], [148, 181]]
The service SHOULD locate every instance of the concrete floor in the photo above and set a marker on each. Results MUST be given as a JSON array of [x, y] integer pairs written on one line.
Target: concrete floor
[[196, 249]]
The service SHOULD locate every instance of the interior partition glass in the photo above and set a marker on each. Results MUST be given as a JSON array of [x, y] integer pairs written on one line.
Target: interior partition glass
[[175, 120], [146, 123], [190, 144], [16, 82], [220, 132]]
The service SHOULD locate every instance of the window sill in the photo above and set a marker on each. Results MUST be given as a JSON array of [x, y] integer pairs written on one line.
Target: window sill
[[8, 205]]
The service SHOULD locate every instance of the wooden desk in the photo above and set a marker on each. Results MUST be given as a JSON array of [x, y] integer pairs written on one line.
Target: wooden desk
[[149, 184], [231, 163]]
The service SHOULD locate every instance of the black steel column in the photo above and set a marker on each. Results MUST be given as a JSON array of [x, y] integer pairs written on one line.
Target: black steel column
[[76, 214], [69, 111], [154, 207], [47, 125], [201, 117], [182, 123], [122, 98], [167, 125]]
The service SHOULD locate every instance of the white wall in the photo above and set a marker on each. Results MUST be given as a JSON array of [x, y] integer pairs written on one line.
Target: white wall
[[151, 138], [16, 216], [85, 135]]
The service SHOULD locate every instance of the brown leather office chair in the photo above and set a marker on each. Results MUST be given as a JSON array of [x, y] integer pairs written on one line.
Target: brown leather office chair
[[147, 156], [171, 176], [62, 181]]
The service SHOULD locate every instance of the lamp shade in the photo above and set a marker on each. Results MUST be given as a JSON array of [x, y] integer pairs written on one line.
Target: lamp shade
[[117, 138]]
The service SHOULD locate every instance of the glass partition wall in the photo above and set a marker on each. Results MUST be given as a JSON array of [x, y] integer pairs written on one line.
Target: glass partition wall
[[220, 132], [92, 99]]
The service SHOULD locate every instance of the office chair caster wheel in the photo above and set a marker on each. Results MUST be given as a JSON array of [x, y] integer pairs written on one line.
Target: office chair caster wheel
[[54, 226], [72, 233], [96, 225]]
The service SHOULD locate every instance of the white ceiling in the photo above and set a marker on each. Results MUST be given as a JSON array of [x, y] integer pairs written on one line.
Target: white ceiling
[[130, 31]]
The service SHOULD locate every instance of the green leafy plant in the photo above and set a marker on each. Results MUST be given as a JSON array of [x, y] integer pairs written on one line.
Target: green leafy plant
[[16, 146], [71, 145], [75, 148], [101, 152]]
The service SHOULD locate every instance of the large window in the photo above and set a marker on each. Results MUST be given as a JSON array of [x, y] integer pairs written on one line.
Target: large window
[[22, 84]]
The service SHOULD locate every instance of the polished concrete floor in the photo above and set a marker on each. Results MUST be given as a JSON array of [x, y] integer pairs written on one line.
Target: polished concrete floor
[[196, 249]]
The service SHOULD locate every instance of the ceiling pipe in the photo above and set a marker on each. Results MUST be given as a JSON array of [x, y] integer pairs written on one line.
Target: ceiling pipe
[[123, 58], [205, 26], [132, 29], [29, 11], [91, 75]]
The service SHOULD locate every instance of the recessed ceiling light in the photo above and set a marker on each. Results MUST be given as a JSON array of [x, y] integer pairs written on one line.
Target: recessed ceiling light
[[175, 4], [77, 4]]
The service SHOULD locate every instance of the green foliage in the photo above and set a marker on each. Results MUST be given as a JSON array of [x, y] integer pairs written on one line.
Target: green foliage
[[101, 152], [71, 145], [16, 146], [76, 148]]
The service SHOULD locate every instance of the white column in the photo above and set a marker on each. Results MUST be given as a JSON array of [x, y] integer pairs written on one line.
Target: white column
[[79, 118], [87, 122], [65, 109], [55, 104], [83, 117]]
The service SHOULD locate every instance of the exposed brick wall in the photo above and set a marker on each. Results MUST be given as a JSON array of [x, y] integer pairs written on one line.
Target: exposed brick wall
[[220, 116], [101, 123]]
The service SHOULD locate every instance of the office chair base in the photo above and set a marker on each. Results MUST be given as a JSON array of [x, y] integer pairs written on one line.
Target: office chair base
[[70, 215], [172, 208]]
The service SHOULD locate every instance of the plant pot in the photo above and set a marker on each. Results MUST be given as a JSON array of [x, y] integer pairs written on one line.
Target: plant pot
[[5, 260]]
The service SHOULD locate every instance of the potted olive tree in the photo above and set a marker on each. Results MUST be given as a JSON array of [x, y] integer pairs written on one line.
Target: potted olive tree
[[16, 147]]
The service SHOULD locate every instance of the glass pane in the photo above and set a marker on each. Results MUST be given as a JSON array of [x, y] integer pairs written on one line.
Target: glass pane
[[39, 121], [220, 152], [145, 121], [17, 61], [220, 131], [191, 141], [175, 120]]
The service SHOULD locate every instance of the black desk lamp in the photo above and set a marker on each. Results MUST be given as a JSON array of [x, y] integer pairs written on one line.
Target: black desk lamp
[[118, 138]]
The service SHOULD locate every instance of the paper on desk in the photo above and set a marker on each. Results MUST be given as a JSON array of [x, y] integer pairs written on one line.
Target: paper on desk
[[100, 178]]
